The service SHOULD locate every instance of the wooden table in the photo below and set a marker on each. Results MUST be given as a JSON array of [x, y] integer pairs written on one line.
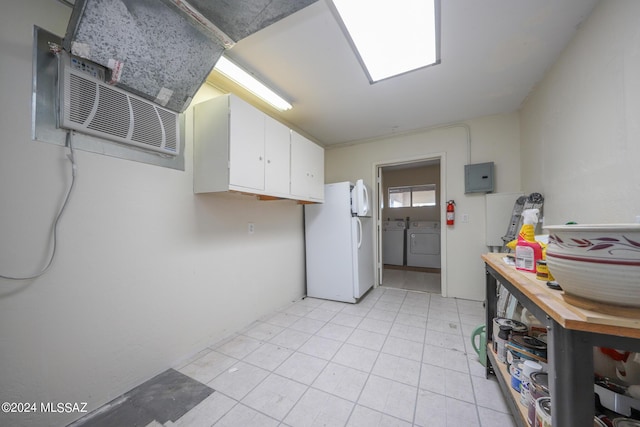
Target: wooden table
[[572, 332]]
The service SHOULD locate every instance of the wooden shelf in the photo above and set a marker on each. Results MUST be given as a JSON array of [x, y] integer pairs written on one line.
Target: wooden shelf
[[569, 316], [572, 332], [512, 397]]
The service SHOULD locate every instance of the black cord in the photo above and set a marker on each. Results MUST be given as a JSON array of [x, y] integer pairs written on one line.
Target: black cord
[[71, 158]]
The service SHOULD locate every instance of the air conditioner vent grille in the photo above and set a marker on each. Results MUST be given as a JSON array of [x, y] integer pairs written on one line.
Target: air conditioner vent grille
[[83, 96], [147, 128], [95, 108], [112, 116], [171, 129]]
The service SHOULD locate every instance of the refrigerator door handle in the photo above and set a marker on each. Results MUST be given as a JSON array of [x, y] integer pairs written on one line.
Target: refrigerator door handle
[[359, 232], [365, 210]]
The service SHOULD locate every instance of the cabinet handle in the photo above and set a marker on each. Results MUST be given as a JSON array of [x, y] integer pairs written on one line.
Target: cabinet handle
[[269, 161], [260, 158]]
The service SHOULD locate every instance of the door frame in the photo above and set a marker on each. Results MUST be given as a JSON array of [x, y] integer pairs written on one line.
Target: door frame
[[377, 212]]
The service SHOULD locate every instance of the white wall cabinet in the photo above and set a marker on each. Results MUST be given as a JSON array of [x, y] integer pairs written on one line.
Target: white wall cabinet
[[277, 143], [307, 168], [239, 148], [246, 145]]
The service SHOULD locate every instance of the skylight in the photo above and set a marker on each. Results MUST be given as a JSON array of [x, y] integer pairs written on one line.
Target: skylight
[[391, 37]]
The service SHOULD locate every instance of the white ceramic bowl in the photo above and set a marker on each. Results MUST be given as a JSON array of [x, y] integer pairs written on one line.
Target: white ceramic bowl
[[598, 262]]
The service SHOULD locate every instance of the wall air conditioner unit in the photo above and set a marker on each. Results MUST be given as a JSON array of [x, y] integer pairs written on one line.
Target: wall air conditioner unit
[[89, 105]]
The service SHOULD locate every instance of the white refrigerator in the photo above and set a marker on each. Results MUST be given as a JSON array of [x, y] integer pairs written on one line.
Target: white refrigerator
[[339, 243]]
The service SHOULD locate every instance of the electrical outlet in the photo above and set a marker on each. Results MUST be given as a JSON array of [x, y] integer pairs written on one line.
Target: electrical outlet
[[465, 217], [251, 228]]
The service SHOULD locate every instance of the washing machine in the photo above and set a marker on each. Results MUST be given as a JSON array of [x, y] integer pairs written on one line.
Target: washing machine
[[393, 234], [423, 244]]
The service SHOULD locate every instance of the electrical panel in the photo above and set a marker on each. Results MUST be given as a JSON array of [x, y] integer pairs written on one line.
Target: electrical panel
[[478, 178]]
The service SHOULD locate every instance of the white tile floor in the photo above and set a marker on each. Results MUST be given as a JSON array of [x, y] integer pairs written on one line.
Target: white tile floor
[[397, 358]]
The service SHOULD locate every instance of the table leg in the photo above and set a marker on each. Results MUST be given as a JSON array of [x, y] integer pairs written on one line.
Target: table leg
[[570, 377], [491, 302]]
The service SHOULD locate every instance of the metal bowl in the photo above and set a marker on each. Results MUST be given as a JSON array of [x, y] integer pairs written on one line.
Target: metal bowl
[[597, 262]]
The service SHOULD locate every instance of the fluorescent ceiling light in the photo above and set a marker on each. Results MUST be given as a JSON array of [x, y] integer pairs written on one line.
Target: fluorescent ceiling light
[[392, 37], [246, 80]]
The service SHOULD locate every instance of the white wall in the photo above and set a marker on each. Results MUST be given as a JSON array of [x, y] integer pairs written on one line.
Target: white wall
[[494, 138], [146, 272], [581, 127]]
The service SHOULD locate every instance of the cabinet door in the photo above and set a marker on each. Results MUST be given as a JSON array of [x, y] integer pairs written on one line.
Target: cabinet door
[[246, 145], [277, 142], [316, 166], [307, 168]]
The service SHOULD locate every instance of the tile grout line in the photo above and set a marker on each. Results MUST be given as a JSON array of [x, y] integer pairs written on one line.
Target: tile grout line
[[309, 386], [424, 343], [355, 403], [239, 402], [473, 392], [342, 343], [374, 363]]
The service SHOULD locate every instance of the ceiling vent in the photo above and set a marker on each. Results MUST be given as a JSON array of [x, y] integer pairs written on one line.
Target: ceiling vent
[[163, 50], [90, 106]]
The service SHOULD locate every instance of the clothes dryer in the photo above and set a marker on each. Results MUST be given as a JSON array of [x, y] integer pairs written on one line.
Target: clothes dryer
[[423, 244]]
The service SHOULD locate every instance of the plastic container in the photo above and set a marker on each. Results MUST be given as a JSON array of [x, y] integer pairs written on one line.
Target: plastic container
[[616, 402], [542, 271], [528, 250], [480, 334], [527, 255], [516, 374]]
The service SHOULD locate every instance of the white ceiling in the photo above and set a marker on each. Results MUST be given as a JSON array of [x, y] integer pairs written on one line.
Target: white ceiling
[[493, 52]]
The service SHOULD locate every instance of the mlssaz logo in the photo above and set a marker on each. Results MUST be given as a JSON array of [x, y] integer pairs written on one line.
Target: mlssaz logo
[[63, 407]]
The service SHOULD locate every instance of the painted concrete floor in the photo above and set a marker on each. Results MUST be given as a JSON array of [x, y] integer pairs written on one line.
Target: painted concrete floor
[[412, 280], [397, 358]]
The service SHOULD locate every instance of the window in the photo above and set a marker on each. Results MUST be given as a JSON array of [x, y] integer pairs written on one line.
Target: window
[[414, 196]]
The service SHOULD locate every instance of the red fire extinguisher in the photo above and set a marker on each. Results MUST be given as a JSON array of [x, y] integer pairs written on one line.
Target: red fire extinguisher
[[451, 212]]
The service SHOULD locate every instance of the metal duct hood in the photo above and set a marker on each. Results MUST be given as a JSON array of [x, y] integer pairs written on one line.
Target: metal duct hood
[[241, 18], [163, 50]]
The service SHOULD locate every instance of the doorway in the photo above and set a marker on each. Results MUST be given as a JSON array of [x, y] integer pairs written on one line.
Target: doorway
[[410, 243]]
